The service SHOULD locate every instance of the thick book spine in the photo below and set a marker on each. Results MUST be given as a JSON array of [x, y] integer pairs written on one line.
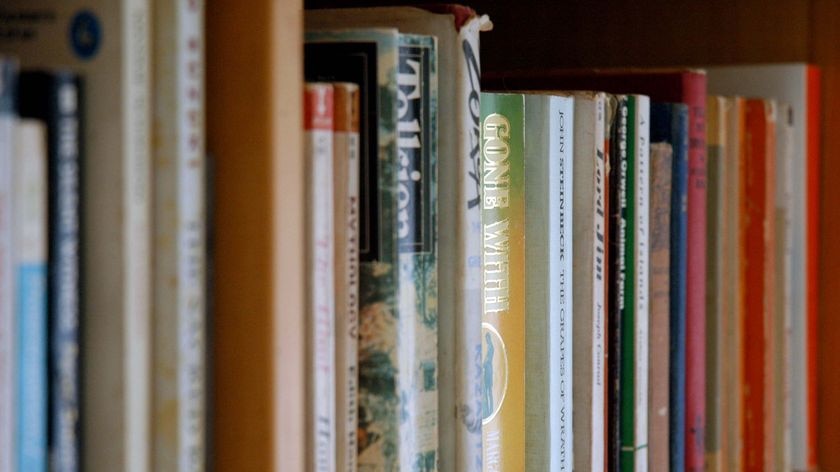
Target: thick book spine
[[548, 288], [589, 280], [54, 97], [503, 303], [178, 401], [716, 167], [617, 281], [417, 249], [661, 156], [8, 78], [318, 152], [346, 259], [669, 123], [30, 295]]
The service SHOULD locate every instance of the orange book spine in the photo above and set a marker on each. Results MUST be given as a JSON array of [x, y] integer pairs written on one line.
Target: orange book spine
[[757, 279], [812, 253]]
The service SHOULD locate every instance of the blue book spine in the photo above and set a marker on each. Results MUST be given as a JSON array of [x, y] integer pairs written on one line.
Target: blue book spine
[[54, 97], [32, 367], [669, 123]]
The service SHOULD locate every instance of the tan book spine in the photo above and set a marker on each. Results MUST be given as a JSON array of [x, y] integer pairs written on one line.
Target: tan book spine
[[346, 225]]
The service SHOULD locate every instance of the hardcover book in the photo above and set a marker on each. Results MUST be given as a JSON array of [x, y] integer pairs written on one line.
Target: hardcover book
[[669, 124], [54, 97], [459, 269], [549, 170], [503, 290], [8, 105], [320, 303], [346, 260], [108, 43], [799, 86], [369, 58], [29, 222], [591, 129], [671, 85], [179, 305], [661, 157]]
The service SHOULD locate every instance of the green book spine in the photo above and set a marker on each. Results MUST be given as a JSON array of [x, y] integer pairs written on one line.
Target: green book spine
[[626, 145], [503, 290], [417, 248]]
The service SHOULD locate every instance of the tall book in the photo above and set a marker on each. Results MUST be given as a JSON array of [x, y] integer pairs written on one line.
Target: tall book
[[320, 301], [661, 157], [589, 216], [369, 58], [549, 174], [30, 294], [731, 441], [757, 283], [459, 271], [8, 105], [254, 131], [108, 43], [669, 85], [669, 124], [503, 290], [716, 165], [54, 97], [178, 307], [346, 261], [799, 86]]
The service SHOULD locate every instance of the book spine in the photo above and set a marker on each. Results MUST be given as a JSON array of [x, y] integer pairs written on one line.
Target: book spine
[[661, 156], [599, 287], [30, 242], [468, 373], [179, 308], [771, 414], [136, 237], [695, 341], [64, 293], [417, 249], [318, 124], [547, 288], [715, 228], [812, 268], [503, 319], [618, 279], [8, 77], [346, 223], [642, 275], [678, 124]]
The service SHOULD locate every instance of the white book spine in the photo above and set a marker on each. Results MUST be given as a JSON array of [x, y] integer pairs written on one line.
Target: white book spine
[[7, 326], [179, 249], [136, 240], [642, 183], [321, 306], [30, 257]]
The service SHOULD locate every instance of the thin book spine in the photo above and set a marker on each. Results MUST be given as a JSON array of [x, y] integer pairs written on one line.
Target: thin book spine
[[30, 294], [641, 268], [346, 224], [503, 319], [8, 78], [179, 249], [318, 124]]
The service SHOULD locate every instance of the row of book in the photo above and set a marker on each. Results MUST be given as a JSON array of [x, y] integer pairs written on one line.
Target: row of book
[[102, 237]]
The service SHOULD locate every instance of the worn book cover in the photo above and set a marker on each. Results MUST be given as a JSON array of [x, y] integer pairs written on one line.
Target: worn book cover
[[661, 156], [346, 261], [369, 58], [503, 291], [549, 141], [29, 222], [669, 123], [54, 97]]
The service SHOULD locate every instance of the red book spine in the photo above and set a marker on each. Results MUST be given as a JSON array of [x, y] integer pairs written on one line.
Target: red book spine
[[694, 95], [812, 254]]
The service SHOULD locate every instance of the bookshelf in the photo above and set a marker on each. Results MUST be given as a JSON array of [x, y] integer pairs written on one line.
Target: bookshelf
[[666, 32]]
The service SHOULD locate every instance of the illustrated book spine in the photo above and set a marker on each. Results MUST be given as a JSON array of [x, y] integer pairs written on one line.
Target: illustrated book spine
[[503, 303]]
